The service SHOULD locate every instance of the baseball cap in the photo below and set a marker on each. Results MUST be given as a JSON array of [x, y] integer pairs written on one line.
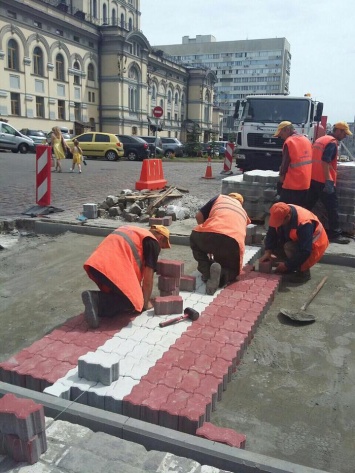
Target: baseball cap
[[163, 231], [237, 196], [281, 126], [278, 212], [343, 126]]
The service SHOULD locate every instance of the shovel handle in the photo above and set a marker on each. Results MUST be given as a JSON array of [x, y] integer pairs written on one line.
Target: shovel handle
[[314, 293]]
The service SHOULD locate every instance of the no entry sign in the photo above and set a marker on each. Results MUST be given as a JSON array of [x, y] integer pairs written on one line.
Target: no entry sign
[[158, 112]]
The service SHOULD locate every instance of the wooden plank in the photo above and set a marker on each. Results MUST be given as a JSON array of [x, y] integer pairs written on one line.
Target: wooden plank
[[160, 199]]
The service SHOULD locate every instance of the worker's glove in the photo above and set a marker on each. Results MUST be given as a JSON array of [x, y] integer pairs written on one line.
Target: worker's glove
[[281, 268], [329, 187]]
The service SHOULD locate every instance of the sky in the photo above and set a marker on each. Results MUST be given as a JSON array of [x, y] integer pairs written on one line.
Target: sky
[[320, 32]]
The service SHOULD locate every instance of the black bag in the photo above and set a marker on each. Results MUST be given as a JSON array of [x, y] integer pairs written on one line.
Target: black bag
[[68, 153]]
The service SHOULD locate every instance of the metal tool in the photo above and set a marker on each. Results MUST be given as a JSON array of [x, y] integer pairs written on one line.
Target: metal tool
[[189, 313], [301, 315]]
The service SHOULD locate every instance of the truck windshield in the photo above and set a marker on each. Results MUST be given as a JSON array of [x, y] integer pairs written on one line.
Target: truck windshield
[[276, 110]]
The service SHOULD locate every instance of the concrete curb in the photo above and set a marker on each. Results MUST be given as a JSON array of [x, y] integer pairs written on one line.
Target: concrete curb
[[154, 437]]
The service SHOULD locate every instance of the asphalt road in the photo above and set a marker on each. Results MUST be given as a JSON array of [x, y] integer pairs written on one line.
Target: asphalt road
[[98, 179]]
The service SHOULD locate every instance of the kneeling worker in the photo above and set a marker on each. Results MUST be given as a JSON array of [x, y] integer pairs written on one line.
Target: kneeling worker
[[123, 268], [218, 241], [299, 234]]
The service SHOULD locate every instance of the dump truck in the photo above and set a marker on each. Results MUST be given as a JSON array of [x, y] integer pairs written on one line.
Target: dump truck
[[257, 118]]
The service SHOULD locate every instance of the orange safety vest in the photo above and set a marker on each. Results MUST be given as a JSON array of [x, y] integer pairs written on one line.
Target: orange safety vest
[[317, 153], [320, 239], [227, 217], [120, 258], [298, 175]]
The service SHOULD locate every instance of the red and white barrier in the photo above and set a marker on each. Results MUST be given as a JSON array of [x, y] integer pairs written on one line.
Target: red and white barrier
[[228, 158], [43, 174]]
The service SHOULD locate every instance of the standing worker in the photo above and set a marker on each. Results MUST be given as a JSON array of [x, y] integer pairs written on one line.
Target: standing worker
[[296, 165], [218, 241], [123, 268], [324, 176], [297, 236]]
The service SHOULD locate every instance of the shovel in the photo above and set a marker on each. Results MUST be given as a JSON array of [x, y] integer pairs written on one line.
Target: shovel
[[301, 315]]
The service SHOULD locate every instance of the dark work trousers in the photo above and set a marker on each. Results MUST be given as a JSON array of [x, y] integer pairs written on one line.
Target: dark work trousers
[[225, 251], [113, 302], [330, 202], [290, 196]]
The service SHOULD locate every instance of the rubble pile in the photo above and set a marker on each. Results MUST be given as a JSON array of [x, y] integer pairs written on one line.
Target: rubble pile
[[140, 206], [258, 188]]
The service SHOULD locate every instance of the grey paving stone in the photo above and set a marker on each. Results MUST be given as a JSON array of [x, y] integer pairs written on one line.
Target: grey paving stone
[[167, 462], [77, 460], [66, 433], [114, 448]]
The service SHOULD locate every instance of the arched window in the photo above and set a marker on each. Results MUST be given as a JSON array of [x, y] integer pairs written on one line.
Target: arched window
[[104, 13], [113, 16], [162, 103], [12, 55], [76, 76], [169, 96], [38, 61], [94, 8], [176, 100], [122, 20], [154, 92], [130, 24], [59, 67], [133, 96], [91, 72], [183, 100]]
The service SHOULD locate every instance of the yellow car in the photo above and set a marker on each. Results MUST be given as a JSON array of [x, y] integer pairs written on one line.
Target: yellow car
[[97, 144]]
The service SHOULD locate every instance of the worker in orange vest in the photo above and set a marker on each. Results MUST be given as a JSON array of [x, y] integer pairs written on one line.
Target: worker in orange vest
[[324, 176], [218, 241], [297, 236], [123, 268], [296, 166]]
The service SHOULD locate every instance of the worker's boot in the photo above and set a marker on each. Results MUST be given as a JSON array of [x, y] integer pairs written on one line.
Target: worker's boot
[[91, 303], [213, 281], [297, 276]]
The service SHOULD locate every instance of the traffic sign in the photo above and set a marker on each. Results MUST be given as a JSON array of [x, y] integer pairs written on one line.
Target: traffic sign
[[158, 112]]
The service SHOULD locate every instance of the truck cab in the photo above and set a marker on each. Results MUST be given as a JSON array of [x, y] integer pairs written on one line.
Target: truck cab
[[257, 119]]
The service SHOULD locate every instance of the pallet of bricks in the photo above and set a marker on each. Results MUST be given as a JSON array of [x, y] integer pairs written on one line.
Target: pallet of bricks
[[258, 189]]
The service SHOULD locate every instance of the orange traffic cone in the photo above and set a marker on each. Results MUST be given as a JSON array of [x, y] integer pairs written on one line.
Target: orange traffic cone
[[208, 174]]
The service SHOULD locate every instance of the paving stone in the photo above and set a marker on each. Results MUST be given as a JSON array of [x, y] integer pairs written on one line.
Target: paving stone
[[167, 462], [28, 450], [171, 268], [168, 305], [99, 366], [187, 283], [78, 460], [222, 435]]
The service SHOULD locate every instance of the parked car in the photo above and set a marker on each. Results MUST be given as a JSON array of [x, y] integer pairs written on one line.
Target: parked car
[[172, 146], [11, 139], [97, 144], [38, 136], [134, 148], [155, 144]]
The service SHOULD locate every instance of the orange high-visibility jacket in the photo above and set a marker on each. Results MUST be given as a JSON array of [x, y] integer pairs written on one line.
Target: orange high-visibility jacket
[[120, 258], [298, 175], [317, 153], [227, 217], [320, 239]]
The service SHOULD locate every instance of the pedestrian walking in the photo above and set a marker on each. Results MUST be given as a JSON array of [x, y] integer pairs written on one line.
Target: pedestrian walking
[[77, 156], [59, 147], [218, 241], [123, 267], [324, 176], [296, 166]]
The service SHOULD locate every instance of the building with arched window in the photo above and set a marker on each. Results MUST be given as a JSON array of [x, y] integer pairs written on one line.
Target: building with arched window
[[85, 64]]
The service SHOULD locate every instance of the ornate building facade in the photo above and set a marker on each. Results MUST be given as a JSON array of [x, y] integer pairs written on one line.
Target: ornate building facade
[[85, 64]]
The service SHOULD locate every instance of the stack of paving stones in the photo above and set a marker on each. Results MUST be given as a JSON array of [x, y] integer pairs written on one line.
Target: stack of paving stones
[[171, 376], [22, 429], [258, 189], [346, 196]]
